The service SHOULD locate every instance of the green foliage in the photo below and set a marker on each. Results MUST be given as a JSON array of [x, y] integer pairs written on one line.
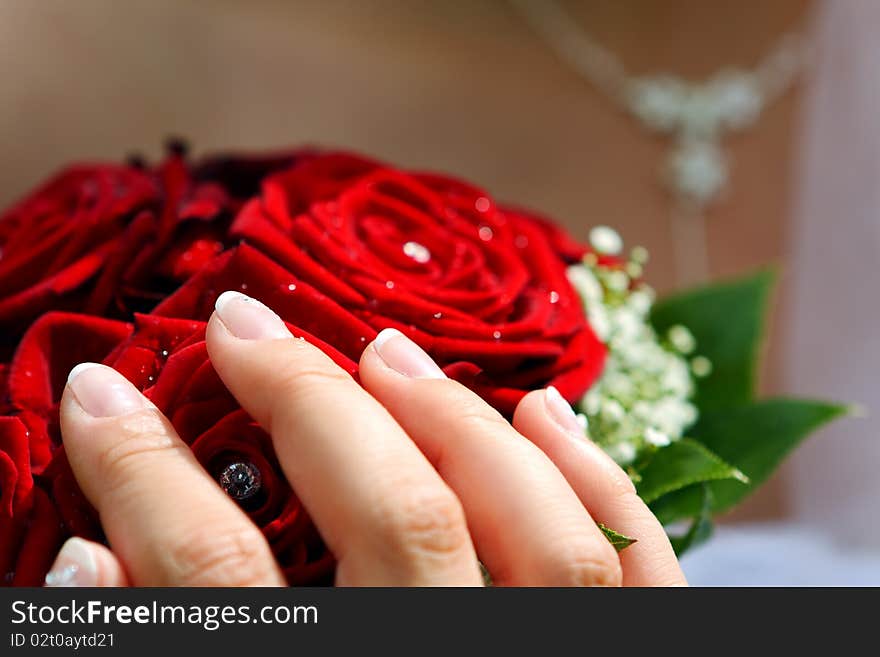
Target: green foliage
[[701, 525], [738, 441], [727, 320], [757, 437], [680, 504], [618, 540], [679, 465]]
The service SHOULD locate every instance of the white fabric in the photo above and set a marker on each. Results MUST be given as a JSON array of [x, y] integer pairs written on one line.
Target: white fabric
[[833, 330], [779, 555]]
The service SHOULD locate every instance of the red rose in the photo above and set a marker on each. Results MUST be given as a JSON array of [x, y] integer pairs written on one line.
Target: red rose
[[30, 528], [339, 246], [59, 238], [111, 239], [167, 359], [481, 288]]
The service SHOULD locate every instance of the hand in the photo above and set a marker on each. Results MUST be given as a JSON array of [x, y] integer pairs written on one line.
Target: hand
[[407, 478]]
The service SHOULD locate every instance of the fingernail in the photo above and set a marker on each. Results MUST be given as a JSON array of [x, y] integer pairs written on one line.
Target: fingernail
[[249, 319], [103, 392], [561, 411], [74, 566], [405, 356]]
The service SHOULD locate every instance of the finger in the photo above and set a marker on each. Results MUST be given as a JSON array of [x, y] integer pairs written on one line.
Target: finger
[[383, 510], [528, 525], [546, 419], [165, 518], [84, 563]]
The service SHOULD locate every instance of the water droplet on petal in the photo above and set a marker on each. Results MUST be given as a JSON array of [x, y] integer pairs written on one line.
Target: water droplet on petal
[[497, 335], [291, 287], [164, 353], [521, 241], [486, 233], [389, 285], [482, 204], [438, 315], [554, 296], [244, 286], [417, 252]]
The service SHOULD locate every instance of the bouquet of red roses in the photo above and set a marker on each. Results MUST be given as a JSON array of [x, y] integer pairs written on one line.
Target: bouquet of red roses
[[121, 264]]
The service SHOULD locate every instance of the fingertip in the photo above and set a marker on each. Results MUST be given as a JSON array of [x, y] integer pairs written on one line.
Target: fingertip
[[82, 563], [371, 365], [218, 339], [547, 419], [401, 355], [79, 369], [100, 391], [215, 330], [528, 409], [247, 318]]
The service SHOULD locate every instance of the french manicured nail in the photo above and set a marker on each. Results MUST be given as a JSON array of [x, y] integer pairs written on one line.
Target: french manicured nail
[[561, 411], [405, 356], [103, 392], [75, 565], [249, 319]]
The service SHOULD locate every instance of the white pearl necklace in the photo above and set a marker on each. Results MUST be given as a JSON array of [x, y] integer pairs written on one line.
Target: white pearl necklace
[[695, 115]]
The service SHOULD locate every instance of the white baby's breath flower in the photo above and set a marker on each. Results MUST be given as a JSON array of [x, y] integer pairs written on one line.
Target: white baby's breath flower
[[640, 301], [656, 438], [701, 366], [618, 281], [601, 323], [623, 453], [585, 283], [590, 402], [642, 400], [627, 324], [606, 240], [612, 410], [682, 339], [639, 254]]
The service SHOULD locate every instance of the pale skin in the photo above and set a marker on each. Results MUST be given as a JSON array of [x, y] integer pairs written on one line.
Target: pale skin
[[408, 478]]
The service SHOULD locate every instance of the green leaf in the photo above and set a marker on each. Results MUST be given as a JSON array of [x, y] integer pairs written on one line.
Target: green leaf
[[618, 540], [692, 503], [680, 464], [679, 504], [701, 527], [755, 439], [487, 578], [727, 320]]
